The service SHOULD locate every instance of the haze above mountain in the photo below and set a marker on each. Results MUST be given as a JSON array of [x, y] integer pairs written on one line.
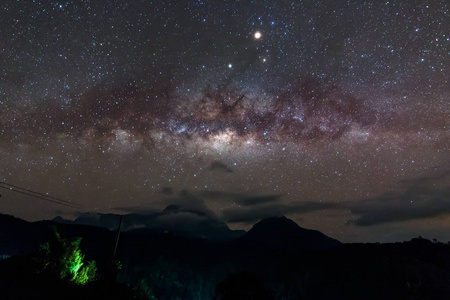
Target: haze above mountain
[[173, 219]]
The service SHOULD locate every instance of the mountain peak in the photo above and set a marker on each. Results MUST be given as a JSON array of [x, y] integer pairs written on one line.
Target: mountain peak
[[281, 232], [276, 223], [171, 209]]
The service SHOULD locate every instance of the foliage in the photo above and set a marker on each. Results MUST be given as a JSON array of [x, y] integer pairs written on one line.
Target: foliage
[[64, 258], [164, 278], [118, 265], [87, 273], [145, 290], [169, 278], [242, 286]]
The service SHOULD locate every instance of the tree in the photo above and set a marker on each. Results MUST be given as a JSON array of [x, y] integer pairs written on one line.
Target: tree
[[242, 286], [64, 258]]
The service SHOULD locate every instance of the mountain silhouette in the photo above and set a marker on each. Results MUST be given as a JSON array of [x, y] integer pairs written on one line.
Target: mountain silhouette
[[173, 219], [283, 233], [291, 260], [20, 237]]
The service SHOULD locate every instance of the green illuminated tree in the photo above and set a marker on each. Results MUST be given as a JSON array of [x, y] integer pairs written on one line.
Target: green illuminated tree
[[64, 257]]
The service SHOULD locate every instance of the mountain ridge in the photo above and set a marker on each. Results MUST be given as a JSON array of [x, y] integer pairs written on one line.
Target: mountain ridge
[[173, 219], [269, 233], [284, 234]]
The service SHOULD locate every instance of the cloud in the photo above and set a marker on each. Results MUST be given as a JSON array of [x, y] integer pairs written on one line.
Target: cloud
[[167, 191], [245, 199], [424, 197], [174, 220], [219, 195], [183, 202], [415, 203], [135, 210], [188, 202], [249, 214], [429, 180], [256, 200], [251, 206], [421, 198], [220, 166]]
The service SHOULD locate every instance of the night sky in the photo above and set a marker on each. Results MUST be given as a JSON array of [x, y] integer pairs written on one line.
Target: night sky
[[333, 113]]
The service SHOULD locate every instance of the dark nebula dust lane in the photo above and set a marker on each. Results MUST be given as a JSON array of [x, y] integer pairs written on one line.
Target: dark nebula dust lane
[[334, 114]]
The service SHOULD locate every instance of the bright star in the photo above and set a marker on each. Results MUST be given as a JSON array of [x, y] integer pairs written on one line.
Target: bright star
[[258, 35]]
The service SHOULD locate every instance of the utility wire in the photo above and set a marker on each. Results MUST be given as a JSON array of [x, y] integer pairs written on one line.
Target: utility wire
[[36, 196], [28, 192], [37, 193]]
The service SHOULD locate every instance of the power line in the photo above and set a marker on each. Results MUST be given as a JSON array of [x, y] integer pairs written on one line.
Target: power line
[[37, 193], [36, 196], [31, 193]]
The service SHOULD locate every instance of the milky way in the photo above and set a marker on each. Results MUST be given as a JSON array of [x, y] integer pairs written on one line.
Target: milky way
[[330, 113]]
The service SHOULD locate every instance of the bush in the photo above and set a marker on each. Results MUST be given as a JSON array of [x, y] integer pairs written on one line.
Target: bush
[[64, 258]]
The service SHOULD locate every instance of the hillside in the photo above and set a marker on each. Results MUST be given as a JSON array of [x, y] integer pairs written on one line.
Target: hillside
[[276, 256]]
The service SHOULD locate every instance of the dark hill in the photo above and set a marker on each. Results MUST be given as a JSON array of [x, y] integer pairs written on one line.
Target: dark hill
[[278, 251], [283, 233], [19, 237]]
